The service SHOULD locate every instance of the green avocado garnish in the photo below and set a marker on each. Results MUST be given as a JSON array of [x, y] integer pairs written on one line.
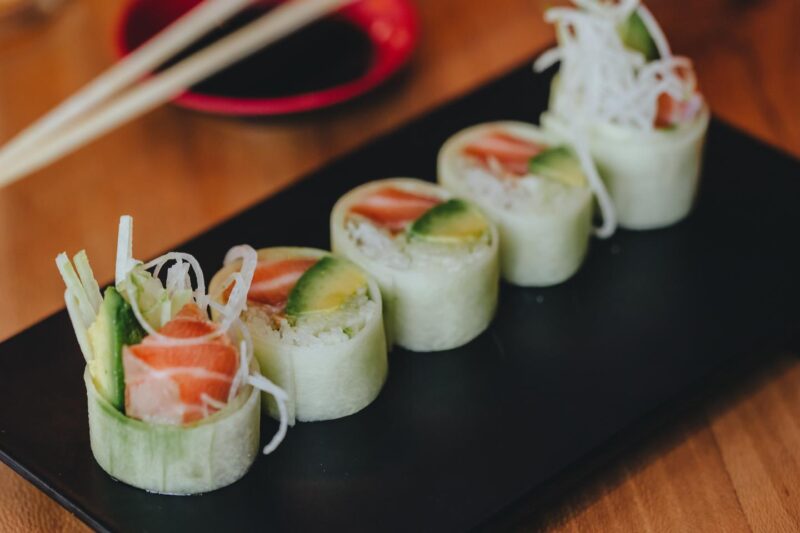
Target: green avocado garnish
[[325, 287], [635, 36], [559, 164], [115, 327], [454, 221]]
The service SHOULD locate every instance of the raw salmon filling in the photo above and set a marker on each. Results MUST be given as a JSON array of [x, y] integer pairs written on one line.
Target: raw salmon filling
[[179, 384], [502, 153], [274, 280], [393, 208]]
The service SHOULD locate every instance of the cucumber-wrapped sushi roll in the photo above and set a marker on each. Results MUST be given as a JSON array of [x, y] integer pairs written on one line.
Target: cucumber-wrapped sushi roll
[[315, 320], [636, 106], [435, 258], [533, 188], [173, 397]]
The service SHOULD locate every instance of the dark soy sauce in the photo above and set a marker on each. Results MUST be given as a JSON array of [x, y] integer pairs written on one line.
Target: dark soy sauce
[[324, 54]]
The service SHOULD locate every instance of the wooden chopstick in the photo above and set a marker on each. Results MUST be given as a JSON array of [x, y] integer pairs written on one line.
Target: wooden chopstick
[[72, 134], [130, 69]]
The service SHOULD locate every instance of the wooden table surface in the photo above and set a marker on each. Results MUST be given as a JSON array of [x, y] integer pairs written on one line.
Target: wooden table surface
[[731, 465]]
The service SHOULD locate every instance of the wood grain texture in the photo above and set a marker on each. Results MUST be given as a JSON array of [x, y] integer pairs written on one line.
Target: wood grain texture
[[731, 466]]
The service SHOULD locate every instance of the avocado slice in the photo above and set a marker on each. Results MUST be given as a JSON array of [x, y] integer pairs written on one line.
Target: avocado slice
[[454, 222], [558, 163], [324, 287], [635, 36], [115, 326]]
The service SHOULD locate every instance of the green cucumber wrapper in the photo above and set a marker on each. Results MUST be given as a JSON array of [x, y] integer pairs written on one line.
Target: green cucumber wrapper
[[191, 459]]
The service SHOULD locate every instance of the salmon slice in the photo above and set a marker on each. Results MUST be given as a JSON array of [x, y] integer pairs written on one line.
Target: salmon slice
[[274, 280], [672, 112], [511, 153], [394, 208], [170, 384]]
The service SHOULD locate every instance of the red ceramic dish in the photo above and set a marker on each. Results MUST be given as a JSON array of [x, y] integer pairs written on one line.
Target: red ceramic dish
[[390, 26]]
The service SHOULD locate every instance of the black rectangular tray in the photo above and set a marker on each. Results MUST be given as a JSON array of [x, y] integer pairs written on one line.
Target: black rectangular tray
[[457, 437]]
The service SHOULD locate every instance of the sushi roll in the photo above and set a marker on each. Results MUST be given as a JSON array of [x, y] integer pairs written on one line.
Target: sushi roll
[[317, 330], [535, 191], [173, 397], [434, 256], [635, 105]]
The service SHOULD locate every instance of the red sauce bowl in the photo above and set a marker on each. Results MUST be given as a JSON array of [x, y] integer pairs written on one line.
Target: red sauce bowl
[[390, 27]]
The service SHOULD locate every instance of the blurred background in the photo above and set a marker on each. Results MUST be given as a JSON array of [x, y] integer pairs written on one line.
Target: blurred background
[[179, 172]]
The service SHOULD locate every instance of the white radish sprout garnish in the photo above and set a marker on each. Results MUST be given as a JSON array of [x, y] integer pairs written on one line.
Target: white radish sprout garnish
[[600, 79], [125, 261], [249, 258], [159, 262], [179, 278], [609, 214], [261, 383]]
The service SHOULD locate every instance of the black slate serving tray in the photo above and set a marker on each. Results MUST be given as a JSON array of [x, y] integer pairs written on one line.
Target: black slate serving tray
[[456, 437]]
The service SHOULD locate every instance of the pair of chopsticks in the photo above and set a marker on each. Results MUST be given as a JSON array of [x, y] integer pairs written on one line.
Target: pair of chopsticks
[[104, 104]]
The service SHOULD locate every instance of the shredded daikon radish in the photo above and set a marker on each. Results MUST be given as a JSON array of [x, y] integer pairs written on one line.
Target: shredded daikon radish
[[242, 372], [600, 79], [178, 277], [220, 330], [193, 371], [245, 359], [208, 401], [159, 262], [244, 377], [263, 384], [596, 183], [125, 261], [249, 258], [619, 11]]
